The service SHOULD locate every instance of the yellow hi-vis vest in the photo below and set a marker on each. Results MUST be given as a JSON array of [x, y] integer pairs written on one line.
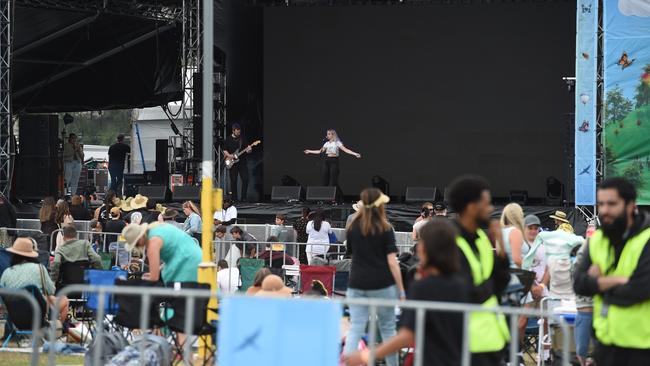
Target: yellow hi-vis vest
[[488, 331], [620, 326]]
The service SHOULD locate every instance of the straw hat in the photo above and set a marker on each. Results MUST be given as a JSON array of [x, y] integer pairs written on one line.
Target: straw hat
[[560, 216], [132, 233], [126, 205], [160, 208], [24, 247], [169, 214], [277, 247], [139, 202]]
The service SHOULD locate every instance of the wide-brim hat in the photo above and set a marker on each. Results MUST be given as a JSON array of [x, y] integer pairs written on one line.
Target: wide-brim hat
[[126, 205], [132, 233], [138, 202], [169, 214], [560, 216], [160, 208], [382, 200], [23, 247]]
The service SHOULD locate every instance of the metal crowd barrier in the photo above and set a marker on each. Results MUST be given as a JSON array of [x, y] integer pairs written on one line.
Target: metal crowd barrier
[[87, 235], [36, 318], [420, 307], [36, 224]]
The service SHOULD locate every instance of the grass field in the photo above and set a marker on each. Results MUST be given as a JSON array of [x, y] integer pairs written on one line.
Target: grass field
[[23, 359]]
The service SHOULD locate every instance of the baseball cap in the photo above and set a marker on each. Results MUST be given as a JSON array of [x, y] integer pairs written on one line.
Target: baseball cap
[[236, 126], [532, 220], [439, 206]]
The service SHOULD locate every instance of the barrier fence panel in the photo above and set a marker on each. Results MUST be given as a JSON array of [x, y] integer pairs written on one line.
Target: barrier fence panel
[[420, 308], [36, 318]]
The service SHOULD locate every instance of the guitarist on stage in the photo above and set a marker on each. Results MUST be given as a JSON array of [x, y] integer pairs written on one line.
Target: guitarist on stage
[[237, 142]]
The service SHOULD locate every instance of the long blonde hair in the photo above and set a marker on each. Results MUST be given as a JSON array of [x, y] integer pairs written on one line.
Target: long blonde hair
[[333, 131], [371, 218], [47, 209], [192, 207], [513, 215]]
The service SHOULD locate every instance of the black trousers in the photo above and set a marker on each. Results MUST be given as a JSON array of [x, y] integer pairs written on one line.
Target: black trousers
[[240, 169], [488, 359], [617, 356], [330, 172]]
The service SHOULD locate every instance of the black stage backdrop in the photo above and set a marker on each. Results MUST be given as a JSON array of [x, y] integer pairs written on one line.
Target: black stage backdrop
[[425, 93]]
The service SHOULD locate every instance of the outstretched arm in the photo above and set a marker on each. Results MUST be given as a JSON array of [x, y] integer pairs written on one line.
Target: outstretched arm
[[348, 151], [315, 152]]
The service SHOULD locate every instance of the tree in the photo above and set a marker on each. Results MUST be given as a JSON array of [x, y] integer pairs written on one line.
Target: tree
[[634, 174], [100, 128], [610, 160], [617, 107], [643, 89]]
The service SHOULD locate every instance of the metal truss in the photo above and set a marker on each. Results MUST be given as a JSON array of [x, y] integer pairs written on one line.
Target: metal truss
[[5, 97], [383, 2], [192, 55], [169, 10]]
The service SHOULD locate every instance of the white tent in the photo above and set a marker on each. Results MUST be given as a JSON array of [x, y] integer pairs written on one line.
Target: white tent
[[150, 125]]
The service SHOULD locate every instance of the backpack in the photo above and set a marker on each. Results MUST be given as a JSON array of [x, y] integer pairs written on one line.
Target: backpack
[[408, 266], [112, 344], [157, 352]]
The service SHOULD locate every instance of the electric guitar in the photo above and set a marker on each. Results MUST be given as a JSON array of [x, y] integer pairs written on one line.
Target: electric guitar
[[237, 154]]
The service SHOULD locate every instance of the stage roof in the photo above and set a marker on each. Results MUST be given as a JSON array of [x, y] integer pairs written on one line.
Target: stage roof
[[67, 57]]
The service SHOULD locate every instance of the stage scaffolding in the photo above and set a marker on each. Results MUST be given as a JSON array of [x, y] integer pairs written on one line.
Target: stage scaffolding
[[6, 145]]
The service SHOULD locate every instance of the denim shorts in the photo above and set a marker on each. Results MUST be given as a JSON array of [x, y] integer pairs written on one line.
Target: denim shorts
[[583, 331]]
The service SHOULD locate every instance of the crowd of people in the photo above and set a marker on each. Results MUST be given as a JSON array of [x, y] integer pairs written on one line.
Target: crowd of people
[[468, 258]]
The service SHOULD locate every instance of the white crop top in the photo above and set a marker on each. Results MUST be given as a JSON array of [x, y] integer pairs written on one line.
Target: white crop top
[[332, 148]]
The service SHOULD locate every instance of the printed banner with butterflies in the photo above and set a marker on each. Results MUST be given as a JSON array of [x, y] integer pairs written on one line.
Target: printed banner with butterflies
[[585, 105], [626, 104]]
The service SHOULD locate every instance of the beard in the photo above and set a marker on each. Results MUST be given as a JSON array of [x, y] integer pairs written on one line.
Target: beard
[[616, 229]]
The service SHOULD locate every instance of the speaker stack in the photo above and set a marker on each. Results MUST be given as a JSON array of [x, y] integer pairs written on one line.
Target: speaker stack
[[37, 165]]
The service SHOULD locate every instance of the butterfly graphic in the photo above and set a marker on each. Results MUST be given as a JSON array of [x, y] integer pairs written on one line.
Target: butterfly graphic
[[586, 171], [625, 61], [586, 8], [584, 127], [585, 55]]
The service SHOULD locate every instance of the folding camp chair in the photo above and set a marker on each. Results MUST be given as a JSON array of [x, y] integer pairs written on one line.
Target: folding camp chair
[[531, 338], [128, 307], [325, 274], [248, 267], [100, 278], [73, 273], [20, 312], [175, 313]]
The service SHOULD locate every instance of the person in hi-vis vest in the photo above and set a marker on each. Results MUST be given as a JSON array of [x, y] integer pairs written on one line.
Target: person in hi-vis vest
[[484, 267], [615, 270]]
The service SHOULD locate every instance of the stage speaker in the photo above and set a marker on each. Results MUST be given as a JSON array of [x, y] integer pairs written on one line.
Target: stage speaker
[[420, 194], [39, 135], [132, 182], [162, 164], [319, 193], [37, 178], [286, 193], [156, 193], [186, 193]]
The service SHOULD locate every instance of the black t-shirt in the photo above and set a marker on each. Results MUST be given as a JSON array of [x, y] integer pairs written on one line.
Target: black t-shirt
[[443, 331], [113, 226], [369, 270], [231, 145], [117, 153]]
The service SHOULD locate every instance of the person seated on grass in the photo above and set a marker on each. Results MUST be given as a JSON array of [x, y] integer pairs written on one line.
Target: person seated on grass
[[257, 281], [443, 331], [73, 250], [25, 270], [272, 286]]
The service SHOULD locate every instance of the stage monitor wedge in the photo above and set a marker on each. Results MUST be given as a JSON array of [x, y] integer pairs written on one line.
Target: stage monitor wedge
[[321, 194], [286, 193], [186, 193], [420, 194], [157, 193]]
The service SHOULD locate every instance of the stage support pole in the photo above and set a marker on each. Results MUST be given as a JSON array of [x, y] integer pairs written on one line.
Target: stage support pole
[[207, 268]]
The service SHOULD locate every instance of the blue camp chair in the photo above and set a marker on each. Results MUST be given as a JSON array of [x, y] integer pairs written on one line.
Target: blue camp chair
[[19, 314]]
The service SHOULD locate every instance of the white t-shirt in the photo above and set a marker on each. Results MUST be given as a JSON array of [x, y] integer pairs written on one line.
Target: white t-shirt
[[318, 237], [418, 225], [232, 256], [332, 147], [228, 280], [226, 215]]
